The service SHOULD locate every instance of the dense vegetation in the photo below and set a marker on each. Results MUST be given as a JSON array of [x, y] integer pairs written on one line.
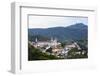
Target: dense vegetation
[[36, 54], [73, 55], [39, 37], [73, 32]]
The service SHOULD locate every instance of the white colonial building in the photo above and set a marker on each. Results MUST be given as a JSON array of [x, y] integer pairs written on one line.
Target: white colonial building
[[52, 42]]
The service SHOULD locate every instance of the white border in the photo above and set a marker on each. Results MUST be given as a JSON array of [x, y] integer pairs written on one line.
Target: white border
[[19, 17]]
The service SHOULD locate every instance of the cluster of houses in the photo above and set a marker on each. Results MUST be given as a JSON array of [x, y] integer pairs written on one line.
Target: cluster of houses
[[56, 48]]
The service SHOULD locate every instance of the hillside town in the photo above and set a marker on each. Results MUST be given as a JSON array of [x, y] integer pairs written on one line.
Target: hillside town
[[54, 47]]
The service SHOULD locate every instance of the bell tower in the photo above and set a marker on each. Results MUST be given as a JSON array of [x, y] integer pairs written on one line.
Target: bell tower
[[36, 40]]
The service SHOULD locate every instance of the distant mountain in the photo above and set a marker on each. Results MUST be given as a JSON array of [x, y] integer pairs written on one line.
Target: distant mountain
[[77, 31]]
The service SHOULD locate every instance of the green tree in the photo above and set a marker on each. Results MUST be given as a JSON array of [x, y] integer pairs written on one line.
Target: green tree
[[36, 54]]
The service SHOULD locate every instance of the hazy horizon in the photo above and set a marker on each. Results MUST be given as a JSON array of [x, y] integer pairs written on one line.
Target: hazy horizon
[[52, 21]]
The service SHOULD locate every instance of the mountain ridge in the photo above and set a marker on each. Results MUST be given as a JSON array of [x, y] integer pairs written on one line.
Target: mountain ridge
[[74, 32]]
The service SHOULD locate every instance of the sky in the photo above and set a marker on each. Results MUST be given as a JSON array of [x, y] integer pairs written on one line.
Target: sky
[[54, 21]]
